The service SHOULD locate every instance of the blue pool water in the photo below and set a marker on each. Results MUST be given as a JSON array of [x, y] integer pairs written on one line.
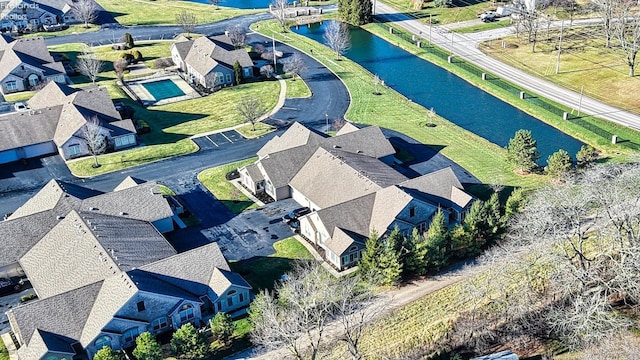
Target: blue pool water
[[451, 97], [163, 89]]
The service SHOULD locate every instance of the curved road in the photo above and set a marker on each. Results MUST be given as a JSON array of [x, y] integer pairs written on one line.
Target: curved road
[[466, 47], [329, 96]]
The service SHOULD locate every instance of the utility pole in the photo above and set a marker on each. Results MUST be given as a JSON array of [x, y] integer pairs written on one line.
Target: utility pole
[[559, 48], [580, 103], [374, 7], [275, 67]]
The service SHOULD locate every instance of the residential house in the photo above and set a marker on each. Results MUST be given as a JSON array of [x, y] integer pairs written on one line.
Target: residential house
[[102, 278], [350, 184], [208, 61], [55, 124], [26, 63], [20, 15]]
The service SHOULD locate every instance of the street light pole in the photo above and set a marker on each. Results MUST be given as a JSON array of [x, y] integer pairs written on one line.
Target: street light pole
[[326, 118]]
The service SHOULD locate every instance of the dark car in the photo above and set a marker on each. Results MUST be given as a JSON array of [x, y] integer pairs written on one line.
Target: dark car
[[8, 286], [295, 214]]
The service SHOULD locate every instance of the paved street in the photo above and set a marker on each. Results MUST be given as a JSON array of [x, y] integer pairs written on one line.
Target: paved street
[[465, 46]]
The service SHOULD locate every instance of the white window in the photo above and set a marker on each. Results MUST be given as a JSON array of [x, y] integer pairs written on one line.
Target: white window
[[102, 341], [158, 324], [130, 335], [247, 72], [74, 149], [123, 140], [11, 85], [186, 313]]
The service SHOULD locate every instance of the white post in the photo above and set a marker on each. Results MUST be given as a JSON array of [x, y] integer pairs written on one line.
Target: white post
[[275, 70], [559, 48], [326, 118], [580, 103], [430, 24]]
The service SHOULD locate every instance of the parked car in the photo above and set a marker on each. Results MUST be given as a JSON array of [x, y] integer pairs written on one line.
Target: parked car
[[20, 106], [295, 214], [488, 16], [11, 285]]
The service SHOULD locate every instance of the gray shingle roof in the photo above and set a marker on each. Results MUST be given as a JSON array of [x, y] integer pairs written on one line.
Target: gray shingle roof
[[205, 53], [48, 314], [442, 187], [353, 216], [28, 127], [295, 136], [341, 241], [29, 51], [282, 166], [389, 203], [85, 241], [127, 183], [368, 141], [352, 176]]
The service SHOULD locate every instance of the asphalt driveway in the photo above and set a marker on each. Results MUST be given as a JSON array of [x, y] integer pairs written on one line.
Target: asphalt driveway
[[252, 233]]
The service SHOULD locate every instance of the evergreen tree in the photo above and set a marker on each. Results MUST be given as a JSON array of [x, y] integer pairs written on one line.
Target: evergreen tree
[[522, 151], [461, 242], [586, 155], [494, 215], [222, 327], [188, 343], [389, 264], [559, 163], [436, 243], [373, 248], [514, 204], [107, 353], [414, 261], [128, 41], [355, 12], [237, 72], [147, 348]]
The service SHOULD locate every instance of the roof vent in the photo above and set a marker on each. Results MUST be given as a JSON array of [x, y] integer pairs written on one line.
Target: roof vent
[[337, 146], [122, 213], [59, 217], [93, 208], [359, 152]]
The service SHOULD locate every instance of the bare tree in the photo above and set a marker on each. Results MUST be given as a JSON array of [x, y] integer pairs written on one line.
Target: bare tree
[[237, 35], [279, 11], [337, 37], [295, 65], [119, 66], [626, 29], [259, 48], [606, 11], [298, 317], [251, 110], [85, 11], [89, 65], [529, 22], [95, 139], [266, 70], [187, 20]]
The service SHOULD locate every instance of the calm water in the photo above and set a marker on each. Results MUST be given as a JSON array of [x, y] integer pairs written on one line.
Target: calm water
[[450, 96], [240, 4]]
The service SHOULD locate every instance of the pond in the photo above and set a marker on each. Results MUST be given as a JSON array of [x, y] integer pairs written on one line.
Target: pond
[[239, 4], [451, 97]]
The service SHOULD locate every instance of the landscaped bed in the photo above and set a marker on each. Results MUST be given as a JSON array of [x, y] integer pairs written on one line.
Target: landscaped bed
[[215, 181]]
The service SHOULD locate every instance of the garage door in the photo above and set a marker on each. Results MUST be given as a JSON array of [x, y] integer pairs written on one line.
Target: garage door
[[8, 156], [36, 150]]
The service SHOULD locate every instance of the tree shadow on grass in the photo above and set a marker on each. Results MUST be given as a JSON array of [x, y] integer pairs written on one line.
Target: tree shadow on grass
[[262, 272]]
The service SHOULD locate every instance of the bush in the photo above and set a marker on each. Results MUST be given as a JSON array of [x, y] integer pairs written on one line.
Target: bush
[[163, 63], [137, 56], [126, 56], [26, 298]]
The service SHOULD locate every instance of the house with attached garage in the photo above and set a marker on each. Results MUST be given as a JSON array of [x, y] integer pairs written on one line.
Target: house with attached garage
[[351, 184], [208, 61], [103, 278], [55, 123], [20, 15], [27, 63]]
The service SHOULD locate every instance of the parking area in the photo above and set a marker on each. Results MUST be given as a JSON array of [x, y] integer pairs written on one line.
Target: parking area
[[216, 140], [10, 301], [252, 233]]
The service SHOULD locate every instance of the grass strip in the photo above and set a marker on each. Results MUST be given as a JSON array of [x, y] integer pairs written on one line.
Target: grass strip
[[214, 179]]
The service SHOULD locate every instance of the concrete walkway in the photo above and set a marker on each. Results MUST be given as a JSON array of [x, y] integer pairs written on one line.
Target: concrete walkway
[[465, 47]]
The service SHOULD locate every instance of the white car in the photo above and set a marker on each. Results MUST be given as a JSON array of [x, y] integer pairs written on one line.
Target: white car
[[20, 106], [488, 16]]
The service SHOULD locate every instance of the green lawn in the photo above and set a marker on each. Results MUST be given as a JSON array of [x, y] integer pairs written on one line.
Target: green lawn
[[171, 124], [4, 354], [214, 180], [73, 29], [263, 272], [483, 27], [21, 96], [461, 10], [154, 12], [391, 110], [297, 88]]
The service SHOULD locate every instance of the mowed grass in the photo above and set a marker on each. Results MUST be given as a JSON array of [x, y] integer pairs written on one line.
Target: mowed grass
[[483, 27], [584, 62], [262, 272], [391, 110], [259, 129], [4, 354], [155, 12], [214, 180], [171, 124], [73, 29], [460, 10], [297, 88]]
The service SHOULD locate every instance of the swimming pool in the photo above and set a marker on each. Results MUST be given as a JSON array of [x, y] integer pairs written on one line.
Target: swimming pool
[[163, 89]]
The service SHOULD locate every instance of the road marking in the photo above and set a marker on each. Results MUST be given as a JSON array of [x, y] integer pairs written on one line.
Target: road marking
[[225, 136], [213, 142]]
